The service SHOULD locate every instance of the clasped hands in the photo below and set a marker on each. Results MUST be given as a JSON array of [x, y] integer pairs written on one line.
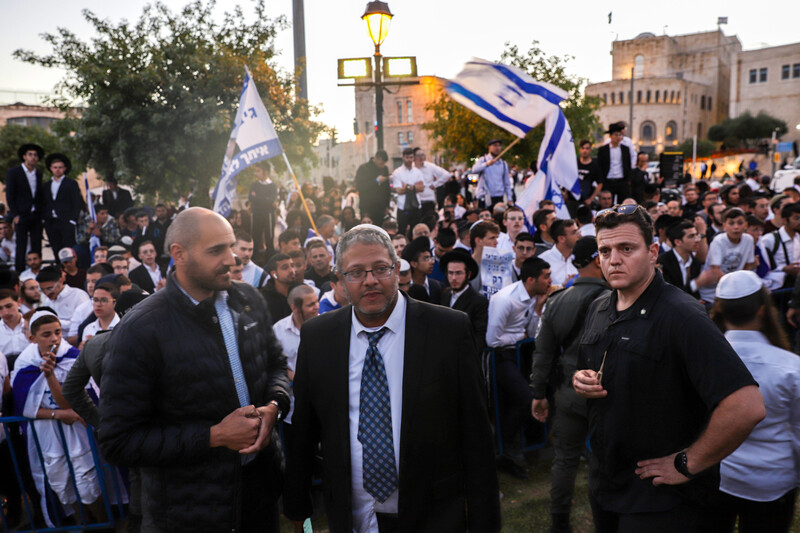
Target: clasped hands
[[246, 430]]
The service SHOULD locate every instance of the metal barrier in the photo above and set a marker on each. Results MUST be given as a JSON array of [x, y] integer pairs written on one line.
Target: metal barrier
[[496, 401], [104, 470]]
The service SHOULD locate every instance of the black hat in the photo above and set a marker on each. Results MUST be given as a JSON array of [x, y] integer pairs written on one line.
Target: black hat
[[584, 252], [494, 141], [30, 146], [58, 157], [615, 127], [460, 254], [128, 299], [416, 247]]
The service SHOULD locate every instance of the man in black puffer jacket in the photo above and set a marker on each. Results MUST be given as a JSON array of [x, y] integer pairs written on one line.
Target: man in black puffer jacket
[[193, 386]]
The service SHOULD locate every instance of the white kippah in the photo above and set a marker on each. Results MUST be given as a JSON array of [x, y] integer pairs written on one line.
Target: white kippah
[[39, 314], [405, 266], [738, 285], [372, 227]]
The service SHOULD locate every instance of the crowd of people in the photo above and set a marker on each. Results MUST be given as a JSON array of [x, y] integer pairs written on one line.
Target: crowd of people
[[345, 331]]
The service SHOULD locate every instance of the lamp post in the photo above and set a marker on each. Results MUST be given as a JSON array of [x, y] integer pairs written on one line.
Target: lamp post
[[378, 17]]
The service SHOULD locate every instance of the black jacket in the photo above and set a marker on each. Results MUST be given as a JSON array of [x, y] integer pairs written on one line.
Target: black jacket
[[68, 202], [604, 160], [276, 302], [671, 271], [373, 196], [166, 380], [447, 475], [122, 202], [19, 197], [140, 277], [477, 308]]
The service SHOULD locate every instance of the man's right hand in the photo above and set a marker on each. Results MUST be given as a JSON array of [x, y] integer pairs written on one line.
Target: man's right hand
[[16, 219], [790, 316], [540, 409], [238, 430], [383, 179], [586, 384]]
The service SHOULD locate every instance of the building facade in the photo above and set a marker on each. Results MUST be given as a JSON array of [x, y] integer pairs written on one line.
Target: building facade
[[768, 80], [674, 86]]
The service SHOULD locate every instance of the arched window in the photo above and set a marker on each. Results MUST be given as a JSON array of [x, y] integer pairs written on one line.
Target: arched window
[[703, 102], [648, 131], [605, 98], [648, 96], [672, 96], [621, 97], [638, 97], [613, 98], [658, 95], [709, 103], [671, 131], [638, 66]]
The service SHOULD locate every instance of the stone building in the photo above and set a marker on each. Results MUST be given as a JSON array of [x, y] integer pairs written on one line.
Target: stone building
[[403, 115], [681, 86], [768, 80]]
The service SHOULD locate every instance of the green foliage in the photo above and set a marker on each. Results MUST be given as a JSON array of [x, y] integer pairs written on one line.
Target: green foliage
[[160, 94], [461, 135], [704, 148], [746, 129], [12, 136]]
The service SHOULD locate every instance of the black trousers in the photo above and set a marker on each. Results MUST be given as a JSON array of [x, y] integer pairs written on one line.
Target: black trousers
[[60, 233], [685, 518], [264, 230], [754, 517], [407, 218], [620, 188], [9, 484], [28, 227], [515, 399]]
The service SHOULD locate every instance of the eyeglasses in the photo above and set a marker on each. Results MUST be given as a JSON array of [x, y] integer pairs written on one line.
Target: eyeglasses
[[378, 272], [429, 259], [626, 209], [103, 300]]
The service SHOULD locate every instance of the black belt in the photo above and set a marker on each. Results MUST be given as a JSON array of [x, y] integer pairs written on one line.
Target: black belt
[[388, 523]]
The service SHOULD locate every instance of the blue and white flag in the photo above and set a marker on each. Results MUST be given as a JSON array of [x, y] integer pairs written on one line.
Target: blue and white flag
[[558, 168], [94, 240], [254, 135], [504, 95]]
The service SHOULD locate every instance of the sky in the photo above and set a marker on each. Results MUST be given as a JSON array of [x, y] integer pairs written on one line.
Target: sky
[[442, 34]]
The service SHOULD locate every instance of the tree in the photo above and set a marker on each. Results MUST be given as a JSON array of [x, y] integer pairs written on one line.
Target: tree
[[160, 95], [460, 135], [746, 129], [704, 148], [12, 136]]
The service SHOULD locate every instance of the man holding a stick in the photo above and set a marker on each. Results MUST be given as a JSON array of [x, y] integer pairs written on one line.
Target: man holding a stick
[[494, 173]]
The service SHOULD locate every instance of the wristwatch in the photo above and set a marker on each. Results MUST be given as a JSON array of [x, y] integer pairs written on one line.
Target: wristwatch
[[277, 406], [681, 465]]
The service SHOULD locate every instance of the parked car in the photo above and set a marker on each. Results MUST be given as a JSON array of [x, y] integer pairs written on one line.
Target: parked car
[[784, 179]]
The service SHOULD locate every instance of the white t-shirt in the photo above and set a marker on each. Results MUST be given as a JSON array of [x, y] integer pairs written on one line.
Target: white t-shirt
[[729, 257]]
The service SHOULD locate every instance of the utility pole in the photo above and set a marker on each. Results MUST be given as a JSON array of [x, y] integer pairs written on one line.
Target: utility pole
[[300, 60], [630, 105]]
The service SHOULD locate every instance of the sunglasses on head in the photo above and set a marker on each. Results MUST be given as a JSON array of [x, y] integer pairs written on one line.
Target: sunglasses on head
[[626, 209]]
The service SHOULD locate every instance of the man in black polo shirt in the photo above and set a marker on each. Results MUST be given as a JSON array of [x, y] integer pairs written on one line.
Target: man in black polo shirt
[[668, 396]]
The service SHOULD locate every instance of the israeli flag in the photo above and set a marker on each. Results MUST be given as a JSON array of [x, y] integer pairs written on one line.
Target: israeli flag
[[504, 95], [558, 168], [254, 136], [94, 240]]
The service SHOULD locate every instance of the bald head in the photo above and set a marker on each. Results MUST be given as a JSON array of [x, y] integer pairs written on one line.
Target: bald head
[[190, 224]]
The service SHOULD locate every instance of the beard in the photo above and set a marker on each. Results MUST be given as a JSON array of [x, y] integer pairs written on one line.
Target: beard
[[211, 281]]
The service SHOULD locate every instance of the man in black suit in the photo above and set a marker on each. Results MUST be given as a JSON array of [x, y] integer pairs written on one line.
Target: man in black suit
[[392, 388], [460, 268], [614, 160], [117, 200], [149, 276], [679, 265], [24, 197], [62, 203], [372, 182]]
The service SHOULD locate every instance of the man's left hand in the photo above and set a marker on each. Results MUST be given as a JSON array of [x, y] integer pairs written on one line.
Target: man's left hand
[[662, 470], [268, 415]]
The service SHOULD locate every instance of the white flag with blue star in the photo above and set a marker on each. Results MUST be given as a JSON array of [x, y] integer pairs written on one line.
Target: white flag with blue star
[[254, 136]]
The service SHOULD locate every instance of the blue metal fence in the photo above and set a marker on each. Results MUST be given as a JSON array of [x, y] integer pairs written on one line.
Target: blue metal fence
[[105, 472]]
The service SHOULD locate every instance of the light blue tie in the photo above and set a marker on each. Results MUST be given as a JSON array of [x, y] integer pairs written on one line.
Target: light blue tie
[[232, 347], [375, 424]]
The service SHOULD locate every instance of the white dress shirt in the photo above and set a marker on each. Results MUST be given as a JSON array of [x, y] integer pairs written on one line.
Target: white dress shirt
[[615, 170], [55, 184], [456, 295], [80, 314], [13, 341], [408, 177], [66, 303], [767, 464], [561, 268], [588, 230], [431, 175], [155, 275], [289, 337], [504, 243], [685, 268], [31, 175], [3, 375], [93, 327], [788, 245], [512, 316], [8, 250], [392, 348]]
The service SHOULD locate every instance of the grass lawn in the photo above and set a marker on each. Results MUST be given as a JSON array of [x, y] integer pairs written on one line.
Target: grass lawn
[[525, 504]]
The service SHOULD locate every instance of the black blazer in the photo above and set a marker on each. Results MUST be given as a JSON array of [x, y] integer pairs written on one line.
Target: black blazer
[[448, 479], [140, 277], [477, 308], [671, 271], [123, 201], [19, 196], [68, 202], [604, 160]]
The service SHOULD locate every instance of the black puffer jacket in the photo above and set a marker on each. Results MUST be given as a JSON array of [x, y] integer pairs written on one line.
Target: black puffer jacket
[[166, 380]]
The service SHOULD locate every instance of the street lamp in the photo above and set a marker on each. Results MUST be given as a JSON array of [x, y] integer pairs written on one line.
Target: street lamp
[[378, 17]]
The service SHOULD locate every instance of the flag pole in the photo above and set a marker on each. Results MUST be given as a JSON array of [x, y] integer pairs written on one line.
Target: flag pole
[[300, 192], [507, 148]]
